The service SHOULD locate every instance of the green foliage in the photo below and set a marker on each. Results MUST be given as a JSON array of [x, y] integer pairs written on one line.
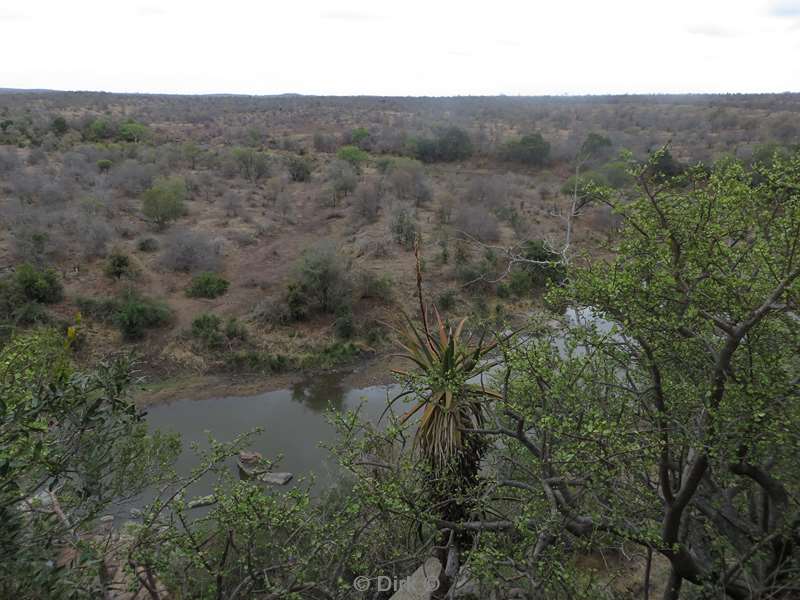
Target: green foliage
[[71, 437], [685, 383], [104, 165], [134, 314], [343, 326], [235, 329], [131, 131], [99, 129], [531, 149], [546, 266], [131, 312], [330, 355], [206, 329], [255, 361], [446, 360], [164, 201], [119, 265], [595, 146], [321, 280], [299, 169], [38, 285], [662, 165], [353, 155], [59, 126], [359, 136], [449, 144], [207, 285]]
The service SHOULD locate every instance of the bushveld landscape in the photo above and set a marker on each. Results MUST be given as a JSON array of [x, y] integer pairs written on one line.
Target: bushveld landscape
[[628, 268], [304, 211]]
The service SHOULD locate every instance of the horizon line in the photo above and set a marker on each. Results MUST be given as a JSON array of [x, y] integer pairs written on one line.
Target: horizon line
[[15, 90]]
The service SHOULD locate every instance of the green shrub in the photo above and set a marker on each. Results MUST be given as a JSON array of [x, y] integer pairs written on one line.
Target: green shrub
[[207, 285], [164, 201], [59, 126], [450, 144], [235, 330], [359, 136], [119, 265], [104, 165], [255, 361], [131, 131], [531, 149], [130, 312], [354, 155], [321, 281], [206, 328], [39, 285], [343, 326], [331, 355], [30, 313]]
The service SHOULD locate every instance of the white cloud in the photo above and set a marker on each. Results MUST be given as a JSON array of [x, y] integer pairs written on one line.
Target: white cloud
[[417, 47]]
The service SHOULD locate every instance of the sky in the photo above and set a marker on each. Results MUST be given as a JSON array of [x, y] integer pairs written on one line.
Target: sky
[[405, 48]]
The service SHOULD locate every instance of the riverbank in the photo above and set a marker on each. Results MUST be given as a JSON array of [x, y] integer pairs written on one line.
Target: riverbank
[[361, 374]]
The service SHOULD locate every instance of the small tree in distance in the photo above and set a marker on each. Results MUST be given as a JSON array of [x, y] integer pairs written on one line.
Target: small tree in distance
[[164, 202]]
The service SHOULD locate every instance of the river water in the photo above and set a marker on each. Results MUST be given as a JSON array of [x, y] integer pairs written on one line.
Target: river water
[[293, 420]]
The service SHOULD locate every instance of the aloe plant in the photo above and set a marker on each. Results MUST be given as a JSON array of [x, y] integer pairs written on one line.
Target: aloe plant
[[449, 404], [447, 359]]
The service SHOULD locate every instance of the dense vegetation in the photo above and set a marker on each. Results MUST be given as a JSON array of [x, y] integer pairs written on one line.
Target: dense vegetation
[[659, 422]]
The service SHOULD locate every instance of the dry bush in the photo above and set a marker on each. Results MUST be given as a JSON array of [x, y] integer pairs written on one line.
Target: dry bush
[[190, 252], [131, 177], [477, 222], [9, 161], [367, 200], [490, 191], [232, 203], [408, 180]]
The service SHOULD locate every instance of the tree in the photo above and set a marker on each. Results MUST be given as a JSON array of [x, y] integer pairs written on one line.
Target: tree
[[252, 164], [596, 146], [164, 201], [191, 153], [322, 277], [354, 155], [531, 149], [343, 178], [71, 444], [449, 144], [674, 424], [131, 131], [299, 169], [59, 126]]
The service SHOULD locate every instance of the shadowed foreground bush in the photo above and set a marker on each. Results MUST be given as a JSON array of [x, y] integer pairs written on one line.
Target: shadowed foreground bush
[[130, 312]]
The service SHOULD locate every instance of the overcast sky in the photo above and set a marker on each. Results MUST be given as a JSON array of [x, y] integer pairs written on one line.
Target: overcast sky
[[405, 47]]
